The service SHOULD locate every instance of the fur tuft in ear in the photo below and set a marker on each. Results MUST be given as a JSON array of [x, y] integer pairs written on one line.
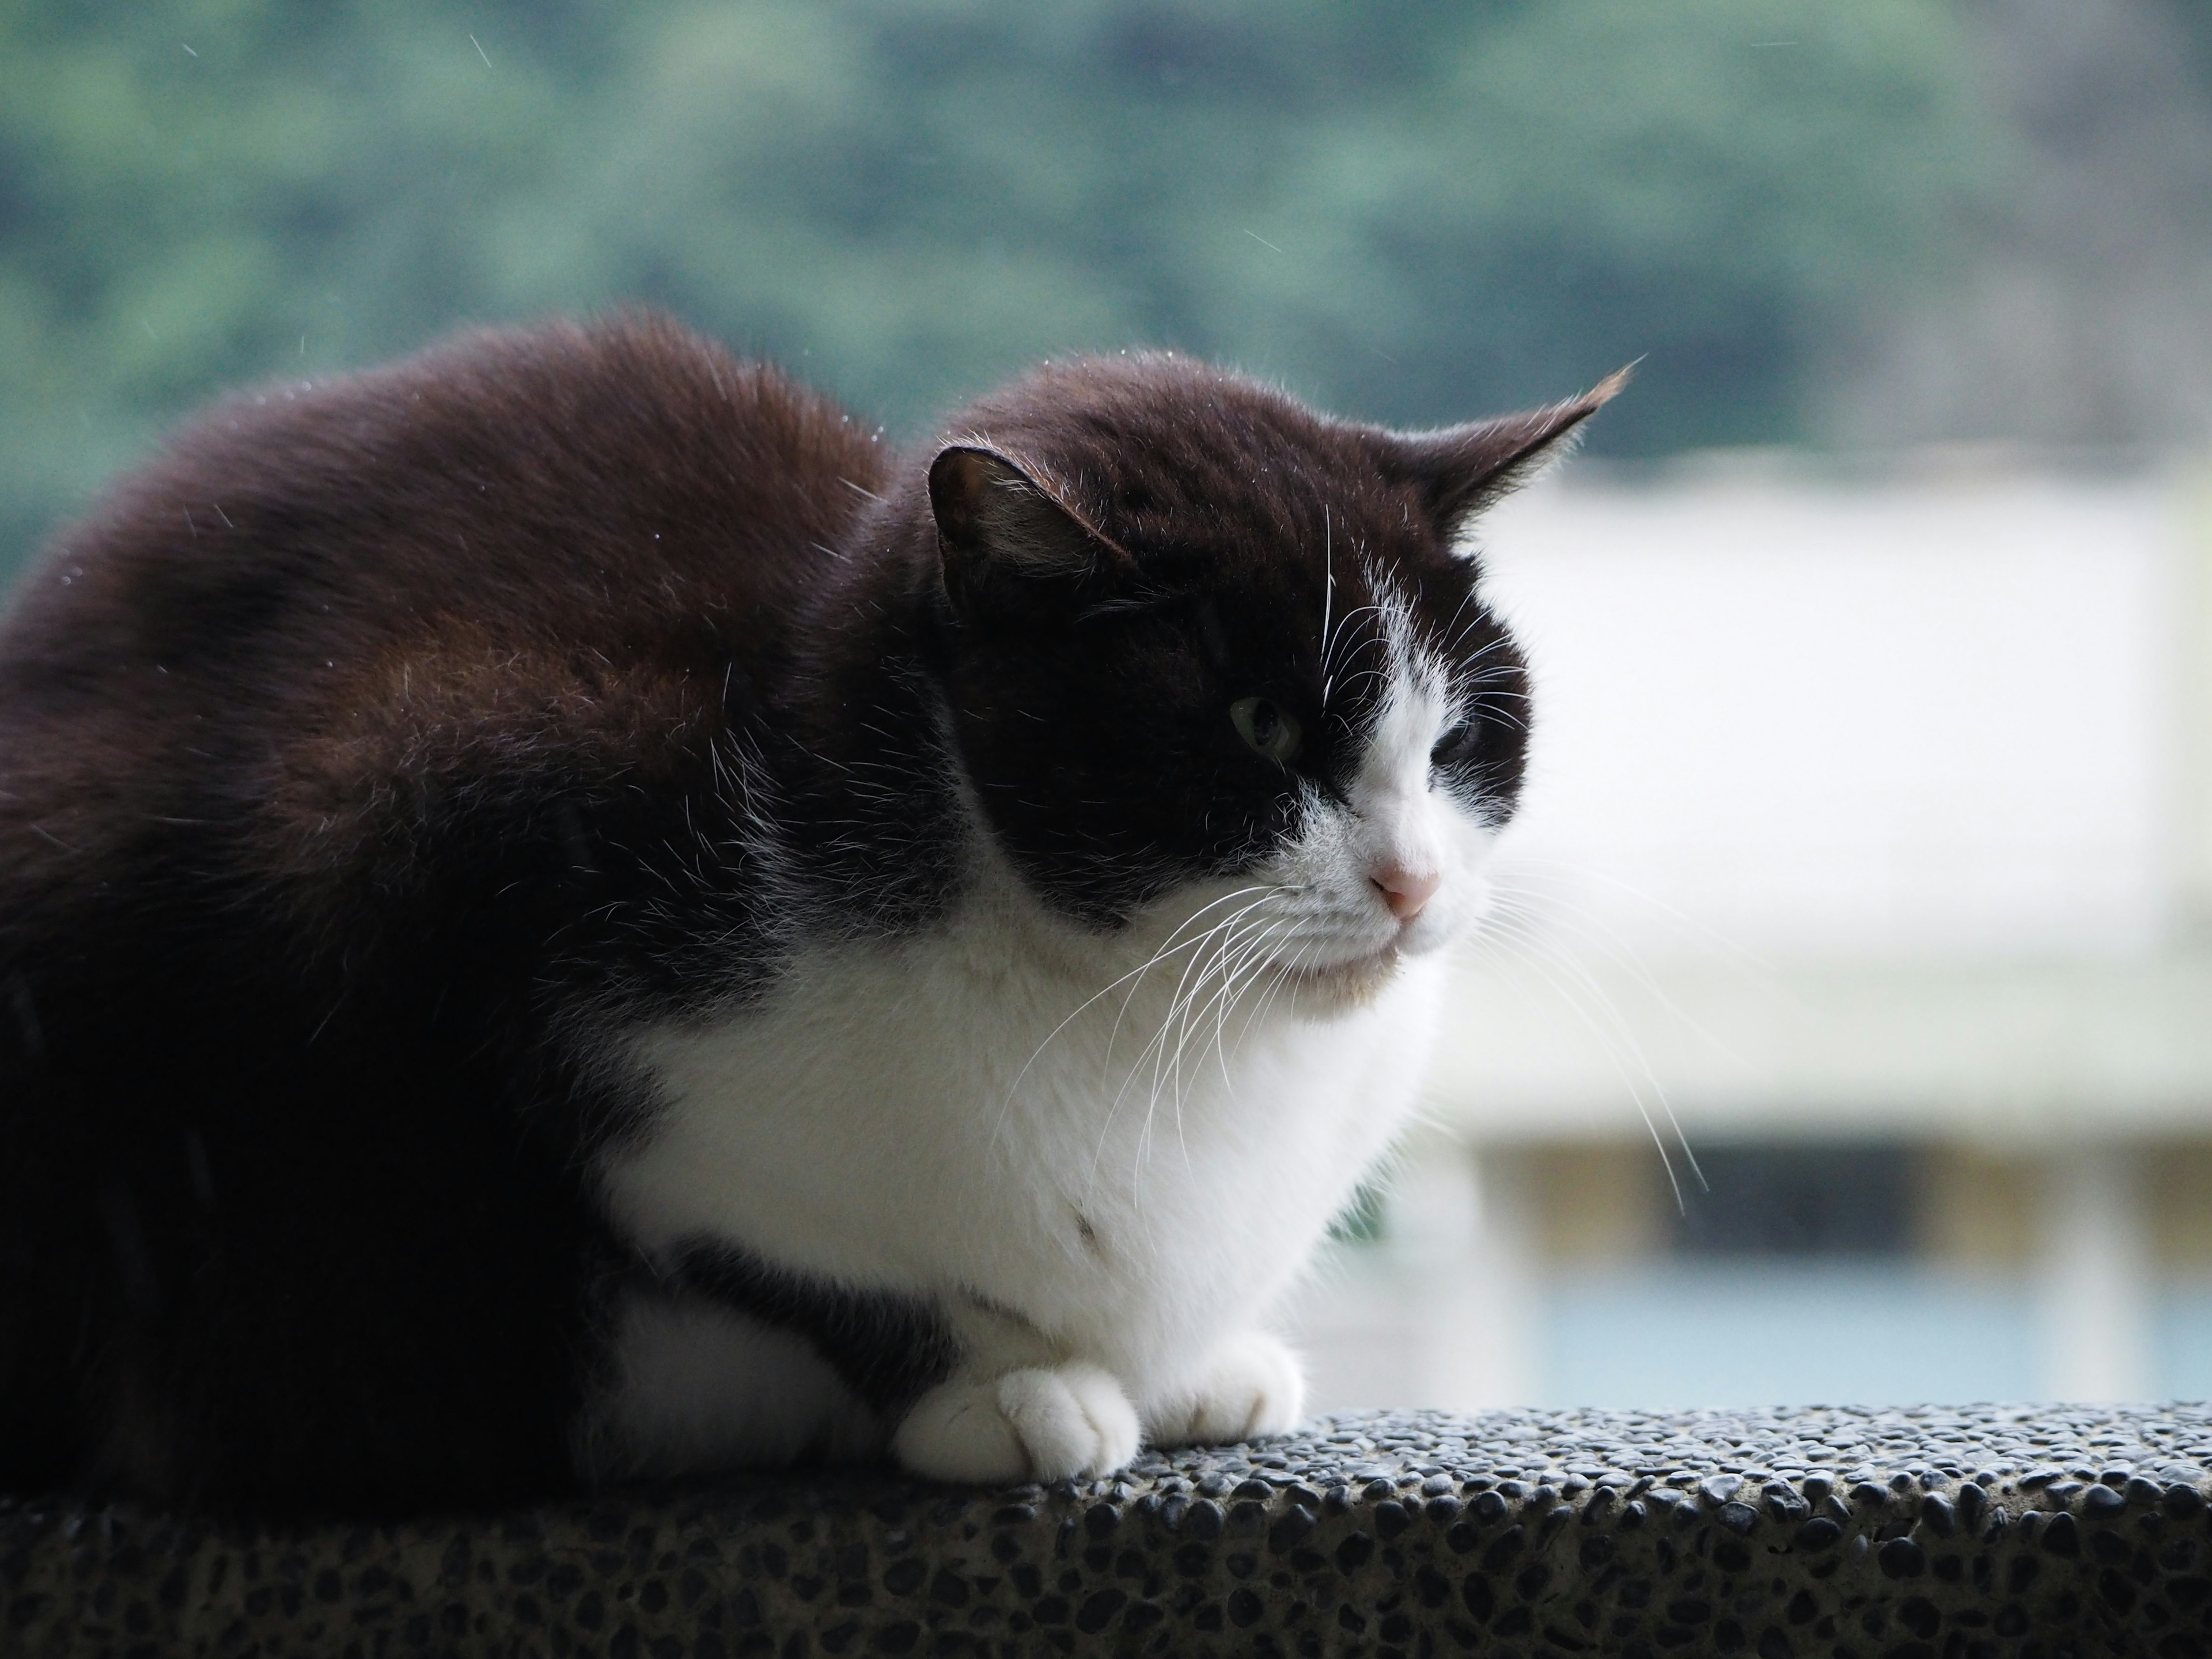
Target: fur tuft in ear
[[989, 507], [1010, 545], [1463, 469]]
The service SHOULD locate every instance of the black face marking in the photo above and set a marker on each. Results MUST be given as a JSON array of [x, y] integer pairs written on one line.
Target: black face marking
[[1212, 639]]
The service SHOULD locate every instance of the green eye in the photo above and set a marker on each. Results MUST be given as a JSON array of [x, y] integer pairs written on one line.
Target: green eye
[[1270, 730]]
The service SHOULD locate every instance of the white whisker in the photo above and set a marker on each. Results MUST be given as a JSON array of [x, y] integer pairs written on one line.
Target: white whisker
[[1614, 1034], [1173, 946]]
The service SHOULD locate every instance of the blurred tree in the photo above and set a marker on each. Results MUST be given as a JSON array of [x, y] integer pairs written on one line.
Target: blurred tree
[[1714, 186], [196, 194], [2083, 317], [1417, 210]]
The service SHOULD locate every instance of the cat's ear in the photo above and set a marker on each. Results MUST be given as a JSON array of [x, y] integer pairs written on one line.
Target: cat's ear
[[1005, 539], [1462, 469]]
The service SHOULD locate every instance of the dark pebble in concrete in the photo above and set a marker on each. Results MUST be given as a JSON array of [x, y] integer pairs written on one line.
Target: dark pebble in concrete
[[1817, 1534], [1936, 1511], [1900, 1558], [1972, 1500], [2101, 1503], [1719, 1488]]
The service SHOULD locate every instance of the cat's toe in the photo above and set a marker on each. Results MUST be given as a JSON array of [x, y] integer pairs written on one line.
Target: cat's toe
[[1074, 1420], [1252, 1385], [956, 1432], [1027, 1425]]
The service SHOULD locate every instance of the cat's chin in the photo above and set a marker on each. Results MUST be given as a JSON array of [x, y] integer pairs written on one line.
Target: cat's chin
[[1342, 985]]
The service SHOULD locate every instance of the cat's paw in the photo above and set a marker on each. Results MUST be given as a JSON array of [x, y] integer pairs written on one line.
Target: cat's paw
[[1025, 1425], [1252, 1385]]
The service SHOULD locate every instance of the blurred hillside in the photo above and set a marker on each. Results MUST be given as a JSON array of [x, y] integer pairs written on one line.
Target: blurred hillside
[[1897, 221]]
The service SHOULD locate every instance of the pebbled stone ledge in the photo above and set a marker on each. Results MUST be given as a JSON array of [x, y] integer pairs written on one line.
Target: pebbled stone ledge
[[1901, 1534]]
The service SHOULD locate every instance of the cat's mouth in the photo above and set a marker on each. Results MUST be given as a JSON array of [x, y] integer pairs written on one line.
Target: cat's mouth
[[1351, 980]]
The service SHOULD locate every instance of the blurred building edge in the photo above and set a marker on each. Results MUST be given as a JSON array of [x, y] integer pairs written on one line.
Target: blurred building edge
[[1869, 839]]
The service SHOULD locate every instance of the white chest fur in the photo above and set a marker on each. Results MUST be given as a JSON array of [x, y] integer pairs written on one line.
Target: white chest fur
[[964, 1115]]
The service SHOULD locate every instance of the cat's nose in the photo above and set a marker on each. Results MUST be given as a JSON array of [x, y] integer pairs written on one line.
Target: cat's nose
[[1406, 891]]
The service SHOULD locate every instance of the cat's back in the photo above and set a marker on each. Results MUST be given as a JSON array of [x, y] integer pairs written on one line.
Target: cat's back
[[551, 536], [509, 473]]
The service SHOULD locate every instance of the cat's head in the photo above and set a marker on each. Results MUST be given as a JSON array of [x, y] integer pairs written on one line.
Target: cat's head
[[1196, 634]]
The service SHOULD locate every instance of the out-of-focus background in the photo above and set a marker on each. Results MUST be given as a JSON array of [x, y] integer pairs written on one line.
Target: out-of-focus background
[[1846, 1032]]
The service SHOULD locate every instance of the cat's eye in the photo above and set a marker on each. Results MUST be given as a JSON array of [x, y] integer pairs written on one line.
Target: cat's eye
[[1455, 745], [1270, 730]]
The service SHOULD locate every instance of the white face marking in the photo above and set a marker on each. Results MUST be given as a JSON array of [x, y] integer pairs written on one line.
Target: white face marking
[[1397, 829]]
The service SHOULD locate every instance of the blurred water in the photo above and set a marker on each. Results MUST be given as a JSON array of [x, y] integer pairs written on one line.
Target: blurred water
[[1743, 1333], [1379, 1330], [2181, 1343]]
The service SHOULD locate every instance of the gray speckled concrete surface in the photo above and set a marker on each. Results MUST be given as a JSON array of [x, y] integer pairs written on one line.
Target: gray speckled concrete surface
[[1905, 1534]]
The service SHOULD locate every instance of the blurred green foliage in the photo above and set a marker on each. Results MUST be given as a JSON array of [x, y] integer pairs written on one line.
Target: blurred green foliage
[[1408, 210]]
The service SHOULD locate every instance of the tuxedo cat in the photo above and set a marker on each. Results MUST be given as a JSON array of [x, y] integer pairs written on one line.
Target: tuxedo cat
[[566, 913]]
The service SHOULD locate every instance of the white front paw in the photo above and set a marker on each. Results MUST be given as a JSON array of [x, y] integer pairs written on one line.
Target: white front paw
[[1025, 1425], [1252, 1385]]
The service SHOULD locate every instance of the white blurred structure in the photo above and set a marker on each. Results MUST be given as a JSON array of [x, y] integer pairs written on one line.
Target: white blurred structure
[[1861, 810], [1829, 720]]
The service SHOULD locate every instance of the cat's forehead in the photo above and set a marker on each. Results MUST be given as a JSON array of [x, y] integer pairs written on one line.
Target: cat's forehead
[[1166, 443], [1211, 480], [1307, 574], [1304, 546]]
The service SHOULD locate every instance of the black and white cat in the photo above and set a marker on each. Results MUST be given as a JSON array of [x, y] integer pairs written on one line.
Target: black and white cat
[[564, 914]]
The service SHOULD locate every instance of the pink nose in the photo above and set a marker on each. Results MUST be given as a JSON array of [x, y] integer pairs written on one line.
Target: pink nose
[[1403, 890]]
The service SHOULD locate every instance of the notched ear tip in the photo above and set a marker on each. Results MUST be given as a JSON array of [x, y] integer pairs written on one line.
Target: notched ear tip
[[1551, 434], [1610, 387], [1554, 432]]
